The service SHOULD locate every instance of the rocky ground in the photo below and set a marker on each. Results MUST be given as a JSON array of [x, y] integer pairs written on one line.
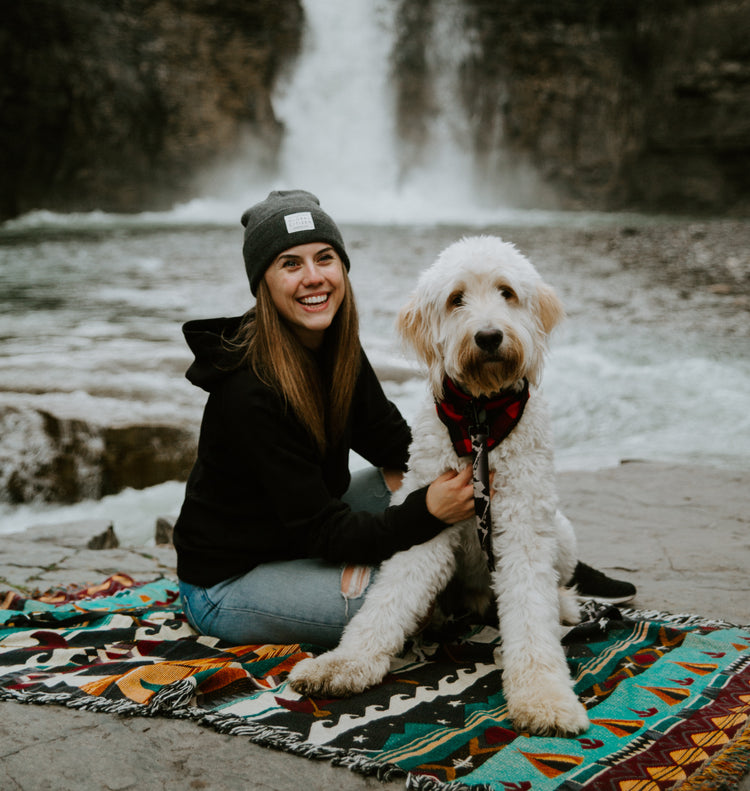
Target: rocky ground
[[681, 534]]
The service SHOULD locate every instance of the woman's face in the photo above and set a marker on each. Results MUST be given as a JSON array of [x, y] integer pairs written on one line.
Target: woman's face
[[306, 284]]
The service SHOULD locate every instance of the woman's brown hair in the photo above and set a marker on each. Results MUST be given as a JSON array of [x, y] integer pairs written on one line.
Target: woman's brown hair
[[319, 392]]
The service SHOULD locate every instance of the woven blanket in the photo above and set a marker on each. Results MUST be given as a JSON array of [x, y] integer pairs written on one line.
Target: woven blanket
[[668, 696]]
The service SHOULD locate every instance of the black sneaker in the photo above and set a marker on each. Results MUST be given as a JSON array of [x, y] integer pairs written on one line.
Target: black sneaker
[[593, 584]]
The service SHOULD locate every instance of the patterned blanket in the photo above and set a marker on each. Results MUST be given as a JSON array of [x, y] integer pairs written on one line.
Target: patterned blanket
[[668, 696]]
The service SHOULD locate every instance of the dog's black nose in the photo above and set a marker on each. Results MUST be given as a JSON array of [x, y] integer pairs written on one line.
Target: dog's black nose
[[489, 340]]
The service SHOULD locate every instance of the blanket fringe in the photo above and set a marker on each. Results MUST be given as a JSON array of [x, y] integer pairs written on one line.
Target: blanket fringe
[[429, 783], [282, 739], [679, 619], [725, 769]]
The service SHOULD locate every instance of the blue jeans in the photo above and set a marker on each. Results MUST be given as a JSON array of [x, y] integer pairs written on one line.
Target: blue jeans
[[290, 601]]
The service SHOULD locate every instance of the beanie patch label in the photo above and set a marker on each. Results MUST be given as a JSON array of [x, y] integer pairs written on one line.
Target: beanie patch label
[[300, 221]]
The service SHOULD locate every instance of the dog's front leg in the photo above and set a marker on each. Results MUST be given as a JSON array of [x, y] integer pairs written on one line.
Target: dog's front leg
[[536, 678], [395, 606]]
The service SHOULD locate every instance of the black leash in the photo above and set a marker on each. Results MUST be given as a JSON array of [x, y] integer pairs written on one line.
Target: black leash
[[480, 468]]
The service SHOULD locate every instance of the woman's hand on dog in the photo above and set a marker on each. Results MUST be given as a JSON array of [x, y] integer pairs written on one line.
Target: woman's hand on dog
[[450, 497]]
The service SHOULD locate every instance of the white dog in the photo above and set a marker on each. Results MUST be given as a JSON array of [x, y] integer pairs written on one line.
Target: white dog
[[479, 320]]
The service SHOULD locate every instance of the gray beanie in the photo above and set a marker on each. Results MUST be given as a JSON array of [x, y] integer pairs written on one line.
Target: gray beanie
[[285, 219]]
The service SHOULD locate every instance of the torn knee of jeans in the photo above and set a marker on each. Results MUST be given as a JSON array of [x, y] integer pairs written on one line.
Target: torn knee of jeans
[[354, 581]]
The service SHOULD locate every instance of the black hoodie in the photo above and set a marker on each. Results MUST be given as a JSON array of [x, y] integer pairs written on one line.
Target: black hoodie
[[261, 490]]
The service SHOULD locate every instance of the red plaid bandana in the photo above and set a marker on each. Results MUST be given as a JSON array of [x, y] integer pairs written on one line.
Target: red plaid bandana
[[499, 413]]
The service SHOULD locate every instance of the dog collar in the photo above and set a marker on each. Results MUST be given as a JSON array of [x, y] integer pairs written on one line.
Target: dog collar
[[499, 413], [475, 426]]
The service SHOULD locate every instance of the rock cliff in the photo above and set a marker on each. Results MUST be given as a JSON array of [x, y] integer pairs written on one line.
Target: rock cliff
[[618, 104], [614, 103], [119, 105]]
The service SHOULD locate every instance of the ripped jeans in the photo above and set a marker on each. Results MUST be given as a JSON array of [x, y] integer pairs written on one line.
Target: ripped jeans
[[292, 601]]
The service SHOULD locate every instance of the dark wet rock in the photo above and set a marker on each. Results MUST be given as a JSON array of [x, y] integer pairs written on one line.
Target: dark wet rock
[[83, 534], [48, 458], [164, 530], [143, 455], [119, 106], [626, 104]]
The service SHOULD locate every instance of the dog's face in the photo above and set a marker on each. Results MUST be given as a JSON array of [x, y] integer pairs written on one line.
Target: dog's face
[[481, 314]]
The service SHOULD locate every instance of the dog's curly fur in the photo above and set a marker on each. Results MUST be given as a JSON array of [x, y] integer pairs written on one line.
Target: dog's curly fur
[[479, 284]]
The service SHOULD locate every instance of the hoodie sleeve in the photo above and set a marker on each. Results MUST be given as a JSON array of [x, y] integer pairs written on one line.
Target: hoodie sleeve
[[290, 481]]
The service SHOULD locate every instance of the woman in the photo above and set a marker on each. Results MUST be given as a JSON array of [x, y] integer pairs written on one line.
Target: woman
[[276, 542], [271, 513]]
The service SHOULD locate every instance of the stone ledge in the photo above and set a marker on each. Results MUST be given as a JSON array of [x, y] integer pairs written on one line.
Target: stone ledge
[[88, 533], [77, 553]]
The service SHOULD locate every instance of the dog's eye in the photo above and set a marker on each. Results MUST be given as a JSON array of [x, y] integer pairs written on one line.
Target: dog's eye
[[456, 299], [506, 292]]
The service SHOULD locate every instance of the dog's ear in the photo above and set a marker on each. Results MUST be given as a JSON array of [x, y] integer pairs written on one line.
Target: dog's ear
[[551, 310], [415, 331]]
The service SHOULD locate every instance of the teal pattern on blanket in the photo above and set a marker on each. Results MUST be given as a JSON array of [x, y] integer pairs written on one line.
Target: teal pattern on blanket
[[160, 593], [668, 696]]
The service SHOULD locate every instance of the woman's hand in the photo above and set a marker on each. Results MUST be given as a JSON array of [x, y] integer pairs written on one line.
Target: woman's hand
[[451, 496]]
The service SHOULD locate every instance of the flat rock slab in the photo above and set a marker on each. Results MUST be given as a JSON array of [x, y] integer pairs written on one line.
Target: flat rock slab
[[681, 534], [89, 533], [77, 553]]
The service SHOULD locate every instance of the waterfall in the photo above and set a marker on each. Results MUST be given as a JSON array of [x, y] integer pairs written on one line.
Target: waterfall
[[376, 124], [338, 110]]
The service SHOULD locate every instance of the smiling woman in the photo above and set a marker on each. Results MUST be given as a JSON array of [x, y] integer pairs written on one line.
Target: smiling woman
[[306, 284], [271, 512]]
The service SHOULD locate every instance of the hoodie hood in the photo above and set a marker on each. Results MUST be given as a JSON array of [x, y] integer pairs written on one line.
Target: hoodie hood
[[214, 359]]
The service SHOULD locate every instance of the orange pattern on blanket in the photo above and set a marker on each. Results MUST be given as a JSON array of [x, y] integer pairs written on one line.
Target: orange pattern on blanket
[[141, 683]]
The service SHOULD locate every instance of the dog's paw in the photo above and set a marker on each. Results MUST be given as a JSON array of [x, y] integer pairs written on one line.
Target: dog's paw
[[548, 710], [337, 676], [570, 610]]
